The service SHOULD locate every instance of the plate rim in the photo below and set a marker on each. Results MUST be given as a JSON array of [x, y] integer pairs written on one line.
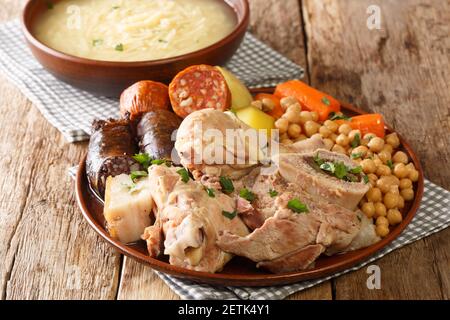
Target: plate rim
[[257, 280]]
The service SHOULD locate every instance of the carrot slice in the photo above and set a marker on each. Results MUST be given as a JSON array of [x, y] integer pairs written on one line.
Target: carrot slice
[[277, 112], [369, 123], [310, 98]]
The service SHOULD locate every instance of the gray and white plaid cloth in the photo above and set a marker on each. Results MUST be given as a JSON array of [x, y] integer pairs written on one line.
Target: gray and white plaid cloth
[[433, 216], [71, 110]]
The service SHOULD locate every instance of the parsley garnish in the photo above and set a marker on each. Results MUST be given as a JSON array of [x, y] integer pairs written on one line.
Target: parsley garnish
[[97, 42], [365, 179], [273, 193], [334, 116], [119, 47], [356, 140], [226, 184], [326, 101], [390, 164], [357, 155], [338, 169], [210, 192], [356, 170], [229, 215], [138, 174], [184, 174], [116, 7], [143, 159], [247, 194], [297, 206]]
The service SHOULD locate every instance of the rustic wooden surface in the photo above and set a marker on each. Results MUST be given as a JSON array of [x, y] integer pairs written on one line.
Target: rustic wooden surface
[[49, 252]]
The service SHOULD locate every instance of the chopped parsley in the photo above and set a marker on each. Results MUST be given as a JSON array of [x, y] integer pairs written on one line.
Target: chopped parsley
[[247, 195], [390, 164], [184, 174], [273, 193], [138, 174], [229, 215], [226, 184], [338, 169], [357, 155], [326, 101], [334, 116], [119, 47], [356, 140], [210, 192], [297, 206], [143, 159], [116, 7], [97, 42], [365, 179]]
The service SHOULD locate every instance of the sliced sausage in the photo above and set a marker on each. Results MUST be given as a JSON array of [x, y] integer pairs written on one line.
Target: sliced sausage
[[155, 131], [199, 87], [142, 97]]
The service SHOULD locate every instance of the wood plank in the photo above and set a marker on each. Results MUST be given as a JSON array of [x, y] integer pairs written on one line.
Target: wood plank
[[277, 23], [399, 71], [46, 248]]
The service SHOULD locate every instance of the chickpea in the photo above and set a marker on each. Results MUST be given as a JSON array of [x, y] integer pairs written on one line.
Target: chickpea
[[287, 141], [353, 133], [287, 101], [333, 136], [305, 116], [315, 116], [387, 148], [414, 175], [384, 156], [410, 166], [369, 154], [400, 157], [267, 105], [382, 230], [373, 195], [333, 126], [401, 203], [294, 130], [390, 200], [324, 131], [380, 209], [311, 128], [382, 221], [377, 161], [257, 104], [342, 140], [364, 142], [383, 170], [393, 140], [372, 179], [407, 194], [292, 114], [400, 171], [394, 217], [345, 128], [369, 209], [339, 149], [369, 136], [282, 125], [301, 138], [368, 166], [405, 183], [361, 151], [376, 144], [384, 183], [328, 143]]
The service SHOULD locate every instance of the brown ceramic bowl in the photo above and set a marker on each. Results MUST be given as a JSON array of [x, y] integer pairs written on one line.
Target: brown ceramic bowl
[[240, 271], [111, 78]]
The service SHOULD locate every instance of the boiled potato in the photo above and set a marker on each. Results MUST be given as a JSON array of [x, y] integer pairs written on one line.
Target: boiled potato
[[256, 118], [240, 96]]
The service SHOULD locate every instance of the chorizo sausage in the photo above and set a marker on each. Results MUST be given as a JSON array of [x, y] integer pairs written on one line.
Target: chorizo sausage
[[154, 133], [110, 152], [199, 87], [142, 97]]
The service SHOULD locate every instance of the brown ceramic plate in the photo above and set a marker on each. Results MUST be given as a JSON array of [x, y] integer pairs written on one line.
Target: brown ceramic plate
[[111, 78], [240, 271]]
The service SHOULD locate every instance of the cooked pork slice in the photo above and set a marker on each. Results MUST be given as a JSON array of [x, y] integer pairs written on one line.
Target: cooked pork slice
[[304, 146], [303, 170], [190, 221], [300, 259], [206, 145]]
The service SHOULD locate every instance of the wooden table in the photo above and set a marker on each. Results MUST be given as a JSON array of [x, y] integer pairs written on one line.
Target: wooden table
[[402, 70]]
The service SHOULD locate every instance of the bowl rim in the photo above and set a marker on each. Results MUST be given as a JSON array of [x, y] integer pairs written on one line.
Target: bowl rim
[[265, 279], [240, 28]]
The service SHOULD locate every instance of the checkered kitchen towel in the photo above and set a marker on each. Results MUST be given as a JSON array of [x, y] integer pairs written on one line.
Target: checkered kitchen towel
[[433, 216], [71, 110]]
